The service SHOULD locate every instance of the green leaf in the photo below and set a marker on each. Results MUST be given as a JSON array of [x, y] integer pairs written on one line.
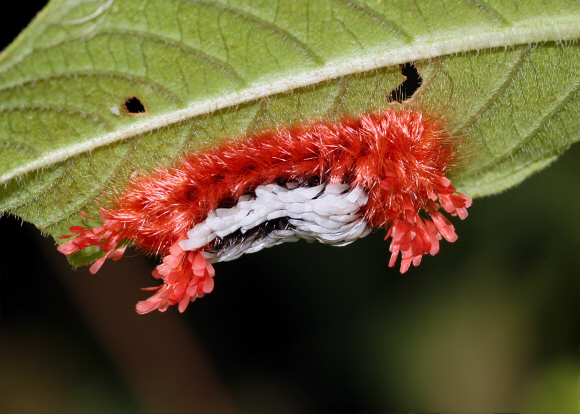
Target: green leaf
[[506, 73]]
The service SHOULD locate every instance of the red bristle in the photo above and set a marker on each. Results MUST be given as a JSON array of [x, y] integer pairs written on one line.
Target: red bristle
[[399, 158]]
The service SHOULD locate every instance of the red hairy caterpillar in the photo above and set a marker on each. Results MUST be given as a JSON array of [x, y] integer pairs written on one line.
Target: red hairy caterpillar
[[325, 181]]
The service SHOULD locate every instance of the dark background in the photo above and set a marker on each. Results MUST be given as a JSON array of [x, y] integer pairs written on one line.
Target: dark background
[[489, 324]]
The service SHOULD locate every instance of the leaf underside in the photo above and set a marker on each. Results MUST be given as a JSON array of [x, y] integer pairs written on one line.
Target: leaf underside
[[507, 75]]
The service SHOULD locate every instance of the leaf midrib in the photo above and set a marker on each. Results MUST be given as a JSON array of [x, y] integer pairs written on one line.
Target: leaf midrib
[[456, 42]]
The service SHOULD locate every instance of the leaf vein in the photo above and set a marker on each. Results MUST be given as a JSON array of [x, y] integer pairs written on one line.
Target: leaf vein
[[97, 119], [213, 61], [271, 27], [101, 74], [509, 78], [490, 11], [388, 23], [19, 146]]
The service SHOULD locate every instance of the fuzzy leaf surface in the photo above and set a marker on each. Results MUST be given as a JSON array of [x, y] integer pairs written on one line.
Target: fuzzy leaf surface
[[507, 74]]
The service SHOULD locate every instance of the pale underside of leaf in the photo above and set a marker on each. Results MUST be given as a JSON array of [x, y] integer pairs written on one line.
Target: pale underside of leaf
[[507, 77]]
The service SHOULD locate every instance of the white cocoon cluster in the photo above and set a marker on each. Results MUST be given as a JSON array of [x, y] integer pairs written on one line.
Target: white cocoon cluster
[[329, 213]]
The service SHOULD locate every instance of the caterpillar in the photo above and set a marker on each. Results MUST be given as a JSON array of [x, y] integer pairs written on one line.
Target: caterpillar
[[332, 182]]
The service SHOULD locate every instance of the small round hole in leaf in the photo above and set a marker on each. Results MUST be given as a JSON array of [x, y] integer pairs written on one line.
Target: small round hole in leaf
[[134, 106]]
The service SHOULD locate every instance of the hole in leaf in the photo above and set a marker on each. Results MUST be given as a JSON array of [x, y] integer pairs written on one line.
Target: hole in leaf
[[134, 106], [409, 86]]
